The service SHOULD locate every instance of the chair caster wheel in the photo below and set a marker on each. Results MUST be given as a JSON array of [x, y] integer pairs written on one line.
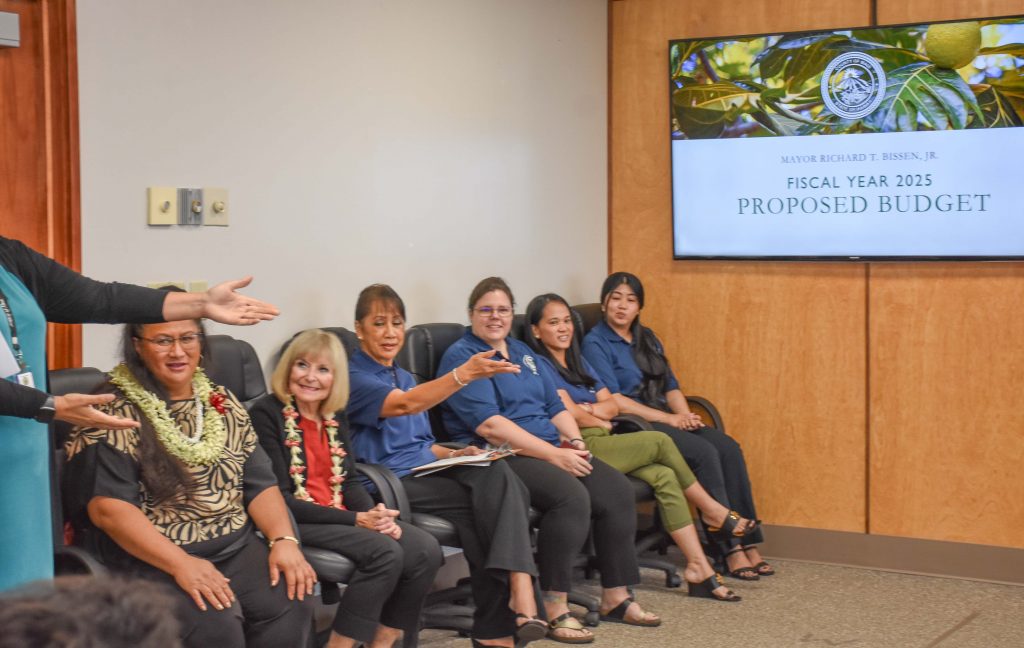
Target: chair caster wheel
[[673, 580], [592, 619]]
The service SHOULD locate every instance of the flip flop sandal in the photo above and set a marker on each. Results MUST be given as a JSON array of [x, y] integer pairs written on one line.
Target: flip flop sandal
[[569, 622], [618, 615]]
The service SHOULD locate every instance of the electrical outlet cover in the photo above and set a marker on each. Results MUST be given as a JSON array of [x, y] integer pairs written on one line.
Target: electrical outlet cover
[[163, 206], [215, 206]]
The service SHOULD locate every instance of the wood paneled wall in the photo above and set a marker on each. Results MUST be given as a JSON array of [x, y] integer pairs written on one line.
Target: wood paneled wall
[[946, 375], [39, 175], [832, 376]]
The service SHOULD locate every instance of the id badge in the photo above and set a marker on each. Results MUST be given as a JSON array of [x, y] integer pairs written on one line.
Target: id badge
[[25, 378]]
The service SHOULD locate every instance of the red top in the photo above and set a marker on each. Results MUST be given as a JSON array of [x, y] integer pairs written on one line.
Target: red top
[[318, 461]]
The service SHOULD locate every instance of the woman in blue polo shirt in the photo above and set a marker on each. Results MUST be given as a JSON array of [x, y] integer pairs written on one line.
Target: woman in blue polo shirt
[[631, 362], [569, 487], [648, 455], [488, 506]]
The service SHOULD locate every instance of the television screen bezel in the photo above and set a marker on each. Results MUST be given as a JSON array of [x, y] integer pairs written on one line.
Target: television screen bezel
[[812, 258]]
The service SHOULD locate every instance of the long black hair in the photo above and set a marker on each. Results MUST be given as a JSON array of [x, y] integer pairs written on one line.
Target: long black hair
[[574, 372], [647, 351], [165, 476]]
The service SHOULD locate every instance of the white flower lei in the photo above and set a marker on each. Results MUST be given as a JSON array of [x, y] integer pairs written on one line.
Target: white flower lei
[[296, 468], [208, 447]]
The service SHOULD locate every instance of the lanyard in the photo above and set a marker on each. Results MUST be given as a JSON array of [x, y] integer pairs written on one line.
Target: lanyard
[[15, 346]]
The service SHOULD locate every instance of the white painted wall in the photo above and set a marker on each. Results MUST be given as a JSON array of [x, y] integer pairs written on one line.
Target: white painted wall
[[422, 144]]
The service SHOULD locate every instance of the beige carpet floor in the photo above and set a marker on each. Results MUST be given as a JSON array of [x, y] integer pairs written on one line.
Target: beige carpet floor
[[816, 606]]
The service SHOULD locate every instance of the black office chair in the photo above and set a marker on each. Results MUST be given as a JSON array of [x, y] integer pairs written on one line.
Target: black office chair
[[68, 559], [642, 491], [234, 364], [587, 316], [443, 608], [425, 345]]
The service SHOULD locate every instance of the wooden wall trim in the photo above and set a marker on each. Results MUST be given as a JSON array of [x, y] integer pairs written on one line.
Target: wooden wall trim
[[890, 553], [63, 204]]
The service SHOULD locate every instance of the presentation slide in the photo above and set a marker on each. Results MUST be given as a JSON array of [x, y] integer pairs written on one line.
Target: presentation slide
[[891, 142]]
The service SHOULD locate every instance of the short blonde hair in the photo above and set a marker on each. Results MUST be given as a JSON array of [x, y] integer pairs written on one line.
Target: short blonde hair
[[312, 344]]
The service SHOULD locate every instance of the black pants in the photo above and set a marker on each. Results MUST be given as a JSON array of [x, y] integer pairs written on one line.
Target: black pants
[[490, 508], [390, 580], [569, 505], [717, 461], [261, 616]]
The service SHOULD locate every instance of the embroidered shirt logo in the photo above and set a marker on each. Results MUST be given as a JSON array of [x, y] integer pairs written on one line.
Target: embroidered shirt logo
[[853, 85], [529, 362]]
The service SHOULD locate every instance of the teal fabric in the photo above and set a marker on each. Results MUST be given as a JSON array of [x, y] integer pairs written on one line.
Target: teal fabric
[[26, 545]]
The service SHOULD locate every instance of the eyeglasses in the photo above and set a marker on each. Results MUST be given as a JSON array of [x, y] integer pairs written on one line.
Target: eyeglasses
[[187, 341], [487, 311]]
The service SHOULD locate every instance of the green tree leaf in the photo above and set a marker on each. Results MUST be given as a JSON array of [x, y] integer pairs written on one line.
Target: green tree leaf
[[705, 110], [999, 112], [904, 38], [1016, 49], [937, 96], [798, 59]]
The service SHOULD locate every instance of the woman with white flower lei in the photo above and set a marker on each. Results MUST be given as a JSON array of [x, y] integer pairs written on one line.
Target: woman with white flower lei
[[178, 499], [303, 428]]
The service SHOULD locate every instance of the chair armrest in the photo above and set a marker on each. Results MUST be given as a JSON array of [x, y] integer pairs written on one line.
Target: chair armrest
[[704, 406], [629, 423], [389, 487], [75, 560]]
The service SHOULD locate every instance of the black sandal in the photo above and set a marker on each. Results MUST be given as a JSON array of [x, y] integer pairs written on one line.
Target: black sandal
[[743, 573], [532, 630], [618, 615], [706, 589], [729, 524]]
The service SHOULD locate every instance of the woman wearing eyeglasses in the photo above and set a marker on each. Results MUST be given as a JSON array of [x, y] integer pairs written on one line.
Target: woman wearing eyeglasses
[[574, 491], [630, 360], [178, 499]]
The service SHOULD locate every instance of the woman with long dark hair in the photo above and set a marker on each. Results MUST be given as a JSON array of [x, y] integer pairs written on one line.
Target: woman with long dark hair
[[631, 362], [647, 455], [178, 499]]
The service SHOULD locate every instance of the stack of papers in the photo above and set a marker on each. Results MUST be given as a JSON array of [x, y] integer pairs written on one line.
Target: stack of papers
[[482, 459]]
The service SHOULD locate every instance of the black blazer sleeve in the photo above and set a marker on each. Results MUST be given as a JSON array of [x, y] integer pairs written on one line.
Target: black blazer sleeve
[[19, 400], [268, 421], [66, 296]]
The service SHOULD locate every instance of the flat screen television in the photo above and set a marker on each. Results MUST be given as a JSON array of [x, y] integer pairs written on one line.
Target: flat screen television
[[872, 143]]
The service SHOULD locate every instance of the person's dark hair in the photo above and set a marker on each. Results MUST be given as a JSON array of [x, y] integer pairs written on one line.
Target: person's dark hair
[[378, 293], [91, 612], [490, 284], [163, 474], [574, 372], [647, 352]]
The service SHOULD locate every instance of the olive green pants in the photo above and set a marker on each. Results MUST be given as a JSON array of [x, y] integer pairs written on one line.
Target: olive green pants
[[651, 457]]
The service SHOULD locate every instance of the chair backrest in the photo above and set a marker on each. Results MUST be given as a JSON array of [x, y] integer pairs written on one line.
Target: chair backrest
[[520, 329], [425, 344], [234, 364], [589, 316], [80, 380]]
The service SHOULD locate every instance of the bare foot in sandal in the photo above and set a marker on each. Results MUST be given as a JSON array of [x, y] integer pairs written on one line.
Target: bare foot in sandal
[[627, 611], [564, 627]]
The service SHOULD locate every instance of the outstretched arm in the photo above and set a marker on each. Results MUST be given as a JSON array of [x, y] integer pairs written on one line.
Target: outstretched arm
[[222, 303]]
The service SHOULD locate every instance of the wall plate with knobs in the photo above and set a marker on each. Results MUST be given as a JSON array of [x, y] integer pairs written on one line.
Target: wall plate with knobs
[[215, 206], [190, 206], [163, 205]]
